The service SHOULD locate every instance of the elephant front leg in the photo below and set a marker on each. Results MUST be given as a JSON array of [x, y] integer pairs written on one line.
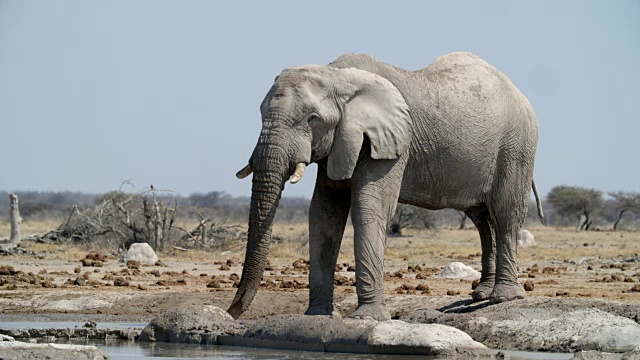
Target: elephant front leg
[[328, 214], [374, 199], [369, 241]]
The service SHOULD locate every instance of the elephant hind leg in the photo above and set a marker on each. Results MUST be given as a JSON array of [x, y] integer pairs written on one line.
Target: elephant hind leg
[[507, 211], [480, 218]]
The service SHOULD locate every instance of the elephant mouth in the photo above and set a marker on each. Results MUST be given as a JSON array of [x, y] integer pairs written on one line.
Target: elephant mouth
[[295, 175]]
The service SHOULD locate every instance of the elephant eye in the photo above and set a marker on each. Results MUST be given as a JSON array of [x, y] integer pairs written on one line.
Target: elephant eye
[[309, 119], [278, 96], [313, 117]]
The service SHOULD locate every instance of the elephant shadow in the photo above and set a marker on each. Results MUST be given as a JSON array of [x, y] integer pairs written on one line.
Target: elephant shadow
[[463, 306]]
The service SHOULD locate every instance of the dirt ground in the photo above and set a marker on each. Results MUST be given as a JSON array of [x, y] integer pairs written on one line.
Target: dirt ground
[[565, 263]]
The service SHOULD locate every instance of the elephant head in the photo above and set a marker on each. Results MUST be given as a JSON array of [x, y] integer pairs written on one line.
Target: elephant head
[[309, 114]]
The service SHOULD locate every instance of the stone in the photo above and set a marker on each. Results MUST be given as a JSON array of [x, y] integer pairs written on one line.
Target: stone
[[88, 331], [87, 262], [301, 264], [543, 324], [193, 324], [528, 285], [332, 334], [142, 253], [96, 256], [214, 284], [458, 270], [526, 239], [30, 351], [120, 281], [90, 324], [428, 339]]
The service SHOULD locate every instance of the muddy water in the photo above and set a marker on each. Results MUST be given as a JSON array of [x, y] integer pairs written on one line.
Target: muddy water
[[66, 325], [122, 350], [129, 350], [132, 350]]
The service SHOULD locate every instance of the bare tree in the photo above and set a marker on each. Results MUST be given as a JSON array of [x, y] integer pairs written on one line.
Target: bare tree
[[576, 202], [117, 220], [625, 201], [410, 216], [15, 219]]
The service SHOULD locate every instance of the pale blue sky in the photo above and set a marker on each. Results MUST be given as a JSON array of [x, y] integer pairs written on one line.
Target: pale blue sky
[[168, 92]]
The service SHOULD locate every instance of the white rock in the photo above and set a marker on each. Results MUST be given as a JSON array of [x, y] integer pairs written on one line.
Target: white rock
[[22, 350], [590, 329], [188, 324], [142, 252], [458, 270], [330, 334], [440, 339], [526, 239], [6, 338]]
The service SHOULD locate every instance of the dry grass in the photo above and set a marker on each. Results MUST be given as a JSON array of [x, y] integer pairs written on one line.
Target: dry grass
[[559, 244], [422, 246], [440, 246], [29, 227], [59, 252]]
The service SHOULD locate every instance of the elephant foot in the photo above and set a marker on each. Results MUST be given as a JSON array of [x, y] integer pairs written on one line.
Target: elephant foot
[[371, 312], [483, 291], [507, 292], [319, 310]]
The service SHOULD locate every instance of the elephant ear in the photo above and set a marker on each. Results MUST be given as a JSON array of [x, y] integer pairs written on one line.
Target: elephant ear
[[375, 108]]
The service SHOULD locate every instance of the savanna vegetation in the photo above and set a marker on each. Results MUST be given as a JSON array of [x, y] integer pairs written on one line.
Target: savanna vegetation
[[218, 220]]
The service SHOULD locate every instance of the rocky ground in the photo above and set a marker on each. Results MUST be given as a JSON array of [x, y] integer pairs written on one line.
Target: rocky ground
[[595, 274]]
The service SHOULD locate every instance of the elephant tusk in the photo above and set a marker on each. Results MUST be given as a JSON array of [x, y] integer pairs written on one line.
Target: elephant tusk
[[297, 174], [246, 171]]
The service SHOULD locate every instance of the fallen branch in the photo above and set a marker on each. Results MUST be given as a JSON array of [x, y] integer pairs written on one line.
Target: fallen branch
[[43, 237], [187, 234]]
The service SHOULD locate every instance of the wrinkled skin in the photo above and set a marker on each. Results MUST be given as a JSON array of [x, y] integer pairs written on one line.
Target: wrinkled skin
[[456, 134]]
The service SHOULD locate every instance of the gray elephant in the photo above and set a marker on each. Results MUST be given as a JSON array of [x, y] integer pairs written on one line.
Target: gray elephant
[[455, 134]]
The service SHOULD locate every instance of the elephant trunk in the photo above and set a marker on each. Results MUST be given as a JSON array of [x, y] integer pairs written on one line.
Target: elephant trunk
[[271, 170]]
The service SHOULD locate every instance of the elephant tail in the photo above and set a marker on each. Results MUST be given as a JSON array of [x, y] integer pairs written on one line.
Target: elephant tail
[[543, 220]]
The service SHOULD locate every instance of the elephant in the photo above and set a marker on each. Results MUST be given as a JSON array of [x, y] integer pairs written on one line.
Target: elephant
[[455, 134]]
